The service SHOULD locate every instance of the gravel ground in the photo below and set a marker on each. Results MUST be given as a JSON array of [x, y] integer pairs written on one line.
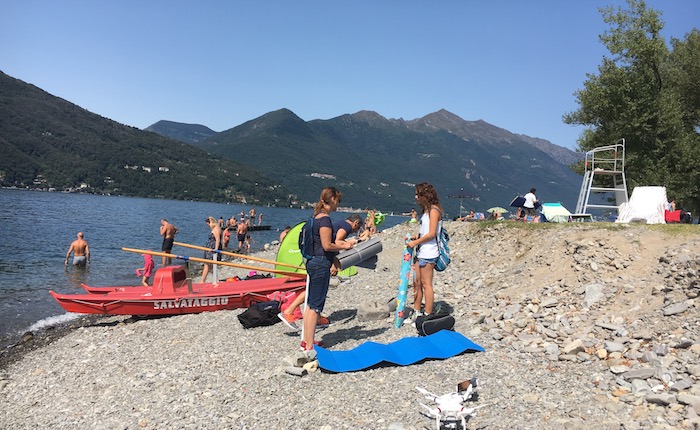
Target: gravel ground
[[566, 315]]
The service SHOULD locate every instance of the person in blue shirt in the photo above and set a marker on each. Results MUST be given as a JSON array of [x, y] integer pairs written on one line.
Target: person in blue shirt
[[344, 228], [319, 267], [341, 230]]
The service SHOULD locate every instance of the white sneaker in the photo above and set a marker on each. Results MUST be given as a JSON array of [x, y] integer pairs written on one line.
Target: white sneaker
[[415, 317], [412, 318]]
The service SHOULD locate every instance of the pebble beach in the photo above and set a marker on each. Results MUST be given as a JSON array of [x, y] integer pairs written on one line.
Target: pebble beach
[[583, 327]]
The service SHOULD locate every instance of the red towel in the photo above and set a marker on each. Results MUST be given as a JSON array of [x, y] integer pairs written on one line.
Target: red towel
[[671, 217]]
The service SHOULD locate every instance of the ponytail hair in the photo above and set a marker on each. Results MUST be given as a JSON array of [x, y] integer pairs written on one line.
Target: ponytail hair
[[327, 195]]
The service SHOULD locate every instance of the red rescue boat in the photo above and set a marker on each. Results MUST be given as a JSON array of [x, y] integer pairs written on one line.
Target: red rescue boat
[[170, 294]]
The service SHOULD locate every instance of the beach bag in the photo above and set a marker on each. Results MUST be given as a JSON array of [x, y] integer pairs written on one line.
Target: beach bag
[[260, 314], [286, 299], [306, 240], [444, 259], [433, 323]]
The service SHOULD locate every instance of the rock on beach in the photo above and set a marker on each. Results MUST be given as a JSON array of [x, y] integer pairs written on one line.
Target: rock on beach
[[584, 326]]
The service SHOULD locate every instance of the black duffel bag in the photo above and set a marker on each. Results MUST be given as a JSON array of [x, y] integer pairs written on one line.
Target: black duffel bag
[[433, 323], [260, 314]]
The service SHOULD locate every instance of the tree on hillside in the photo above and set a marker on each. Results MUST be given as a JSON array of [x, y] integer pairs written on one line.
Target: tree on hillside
[[648, 93]]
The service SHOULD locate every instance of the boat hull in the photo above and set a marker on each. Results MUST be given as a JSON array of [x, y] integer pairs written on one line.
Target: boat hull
[[250, 284], [127, 304], [171, 296]]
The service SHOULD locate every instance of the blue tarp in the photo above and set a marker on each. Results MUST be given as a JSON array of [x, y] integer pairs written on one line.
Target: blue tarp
[[409, 350]]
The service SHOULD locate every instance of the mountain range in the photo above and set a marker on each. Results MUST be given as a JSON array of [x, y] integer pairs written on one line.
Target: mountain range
[[277, 158], [376, 161]]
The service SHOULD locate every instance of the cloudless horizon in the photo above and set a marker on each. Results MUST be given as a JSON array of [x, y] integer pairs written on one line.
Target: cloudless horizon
[[513, 64]]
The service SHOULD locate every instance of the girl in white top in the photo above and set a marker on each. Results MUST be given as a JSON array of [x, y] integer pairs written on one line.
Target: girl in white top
[[427, 253]]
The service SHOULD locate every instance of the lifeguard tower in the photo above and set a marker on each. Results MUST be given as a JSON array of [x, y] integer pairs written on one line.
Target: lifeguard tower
[[604, 174]]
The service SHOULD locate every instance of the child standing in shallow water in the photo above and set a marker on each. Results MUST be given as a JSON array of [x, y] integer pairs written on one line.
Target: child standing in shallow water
[[147, 270]]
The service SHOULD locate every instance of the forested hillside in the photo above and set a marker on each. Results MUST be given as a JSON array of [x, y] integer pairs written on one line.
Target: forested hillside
[[49, 143]]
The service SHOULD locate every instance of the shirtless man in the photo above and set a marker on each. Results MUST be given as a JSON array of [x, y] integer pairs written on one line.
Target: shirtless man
[[80, 250], [284, 233], [252, 215], [241, 232], [168, 231]]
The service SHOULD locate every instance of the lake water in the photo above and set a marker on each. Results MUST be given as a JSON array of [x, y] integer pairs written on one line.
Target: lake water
[[37, 228]]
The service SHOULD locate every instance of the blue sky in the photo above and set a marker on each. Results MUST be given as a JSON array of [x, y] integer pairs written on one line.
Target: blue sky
[[514, 64]]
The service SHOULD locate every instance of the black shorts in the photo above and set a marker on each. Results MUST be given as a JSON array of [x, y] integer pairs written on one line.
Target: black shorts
[[167, 245]]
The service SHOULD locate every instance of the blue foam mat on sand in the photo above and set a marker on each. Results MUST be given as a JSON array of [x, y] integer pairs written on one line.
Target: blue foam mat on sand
[[409, 350]]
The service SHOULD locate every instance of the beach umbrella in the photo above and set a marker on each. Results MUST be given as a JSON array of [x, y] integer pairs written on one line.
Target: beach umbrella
[[498, 209]]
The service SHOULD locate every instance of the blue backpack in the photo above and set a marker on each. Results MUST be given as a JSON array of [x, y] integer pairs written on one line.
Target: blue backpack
[[444, 259], [306, 240]]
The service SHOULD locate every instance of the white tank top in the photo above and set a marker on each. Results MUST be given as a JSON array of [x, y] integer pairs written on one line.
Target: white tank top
[[428, 249]]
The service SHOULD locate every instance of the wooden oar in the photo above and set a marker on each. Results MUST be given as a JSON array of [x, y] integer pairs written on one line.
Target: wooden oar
[[232, 254], [222, 263]]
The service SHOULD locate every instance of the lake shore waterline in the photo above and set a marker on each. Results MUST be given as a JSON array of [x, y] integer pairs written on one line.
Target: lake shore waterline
[[45, 224]]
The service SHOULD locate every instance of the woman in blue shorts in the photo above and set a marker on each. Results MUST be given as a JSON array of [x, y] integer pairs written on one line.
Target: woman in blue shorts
[[321, 266], [427, 248]]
